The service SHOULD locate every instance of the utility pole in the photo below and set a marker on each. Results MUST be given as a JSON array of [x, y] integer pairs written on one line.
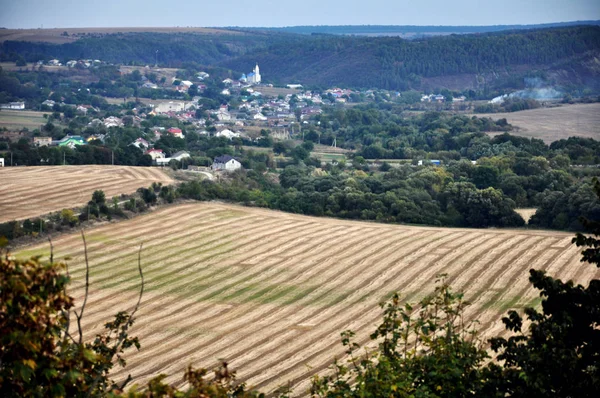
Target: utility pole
[[113, 157], [11, 159], [64, 157], [156, 61]]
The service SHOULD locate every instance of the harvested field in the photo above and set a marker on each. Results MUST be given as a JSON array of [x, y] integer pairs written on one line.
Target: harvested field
[[32, 191], [55, 35], [270, 292], [19, 119], [526, 213], [553, 124]]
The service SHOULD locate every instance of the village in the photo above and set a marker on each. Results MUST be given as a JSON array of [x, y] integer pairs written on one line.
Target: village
[[236, 109]]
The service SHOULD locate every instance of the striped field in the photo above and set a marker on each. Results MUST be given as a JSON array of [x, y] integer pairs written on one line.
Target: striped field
[[28, 192], [270, 292]]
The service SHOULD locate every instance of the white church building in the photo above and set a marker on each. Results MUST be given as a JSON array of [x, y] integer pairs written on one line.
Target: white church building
[[254, 77]]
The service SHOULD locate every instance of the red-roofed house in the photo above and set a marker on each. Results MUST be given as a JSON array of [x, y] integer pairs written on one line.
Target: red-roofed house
[[155, 153], [175, 132]]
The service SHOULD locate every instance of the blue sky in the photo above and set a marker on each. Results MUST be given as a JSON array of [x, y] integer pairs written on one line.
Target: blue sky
[[134, 13]]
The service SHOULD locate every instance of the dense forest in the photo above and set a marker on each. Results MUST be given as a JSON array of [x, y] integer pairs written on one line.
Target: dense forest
[[394, 63], [140, 48], [363, 62]]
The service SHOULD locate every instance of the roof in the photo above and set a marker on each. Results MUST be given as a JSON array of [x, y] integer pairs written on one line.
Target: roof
[[180, 153]]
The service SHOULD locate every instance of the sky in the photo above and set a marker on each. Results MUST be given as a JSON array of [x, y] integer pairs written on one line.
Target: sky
[[273, 13]]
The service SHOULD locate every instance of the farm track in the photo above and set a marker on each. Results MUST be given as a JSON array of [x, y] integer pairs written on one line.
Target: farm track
[[270, 292], [29, 192]]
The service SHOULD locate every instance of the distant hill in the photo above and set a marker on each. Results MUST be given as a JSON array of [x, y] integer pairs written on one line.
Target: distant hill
[[174, 48], [489, 59], [408, 31], [565, 56]]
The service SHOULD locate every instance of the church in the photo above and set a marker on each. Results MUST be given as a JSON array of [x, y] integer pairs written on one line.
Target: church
[[252, 78]]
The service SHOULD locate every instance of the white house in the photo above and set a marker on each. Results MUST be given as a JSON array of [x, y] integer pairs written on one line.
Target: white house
[[113, 121], [141, 143], [226, 163], [155, 154], [42, 141], [1, 162], [180, 155], [172, 106], [13, 105], [227, 134]]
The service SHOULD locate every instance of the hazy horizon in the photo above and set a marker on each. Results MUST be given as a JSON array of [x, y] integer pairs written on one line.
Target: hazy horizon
[[263, 13]]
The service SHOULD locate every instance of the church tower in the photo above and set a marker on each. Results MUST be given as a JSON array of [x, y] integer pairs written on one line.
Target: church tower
[[256, 74]]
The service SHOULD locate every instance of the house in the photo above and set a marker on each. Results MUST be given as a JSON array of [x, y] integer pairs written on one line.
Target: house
[[71, 141], [71, 64], [82, 110], [13, 105], [175, 132], [180, 155], [49, 103], [226, 163], [113, 121], [1, 162], [434, 162], [42, 141], [98, 137], [155, 154], [227, 134], [223, 115], [141, 143], [171, 106]]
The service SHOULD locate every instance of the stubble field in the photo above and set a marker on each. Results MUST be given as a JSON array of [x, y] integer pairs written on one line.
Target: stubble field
[[553, 124], [270, 292], [32, 191]]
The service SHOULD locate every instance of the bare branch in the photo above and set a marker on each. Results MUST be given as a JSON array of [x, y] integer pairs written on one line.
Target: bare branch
[[87, 288], [51, 250], [125, 327], [142, 282]]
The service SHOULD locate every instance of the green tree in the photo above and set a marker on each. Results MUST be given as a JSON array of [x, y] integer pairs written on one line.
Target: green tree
[[38, 354], [559, 354], [424, 351]]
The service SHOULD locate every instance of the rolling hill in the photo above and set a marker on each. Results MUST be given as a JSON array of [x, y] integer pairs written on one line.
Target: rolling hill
[[271, 292]]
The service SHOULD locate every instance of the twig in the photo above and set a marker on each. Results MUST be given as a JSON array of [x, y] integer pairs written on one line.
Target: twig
[[51, 250], [87, 287], [142, 282], [129, 322]]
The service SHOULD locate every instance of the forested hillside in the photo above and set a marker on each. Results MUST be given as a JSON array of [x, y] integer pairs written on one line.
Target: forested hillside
[[394, 63], [564, 56], [173, 48]]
